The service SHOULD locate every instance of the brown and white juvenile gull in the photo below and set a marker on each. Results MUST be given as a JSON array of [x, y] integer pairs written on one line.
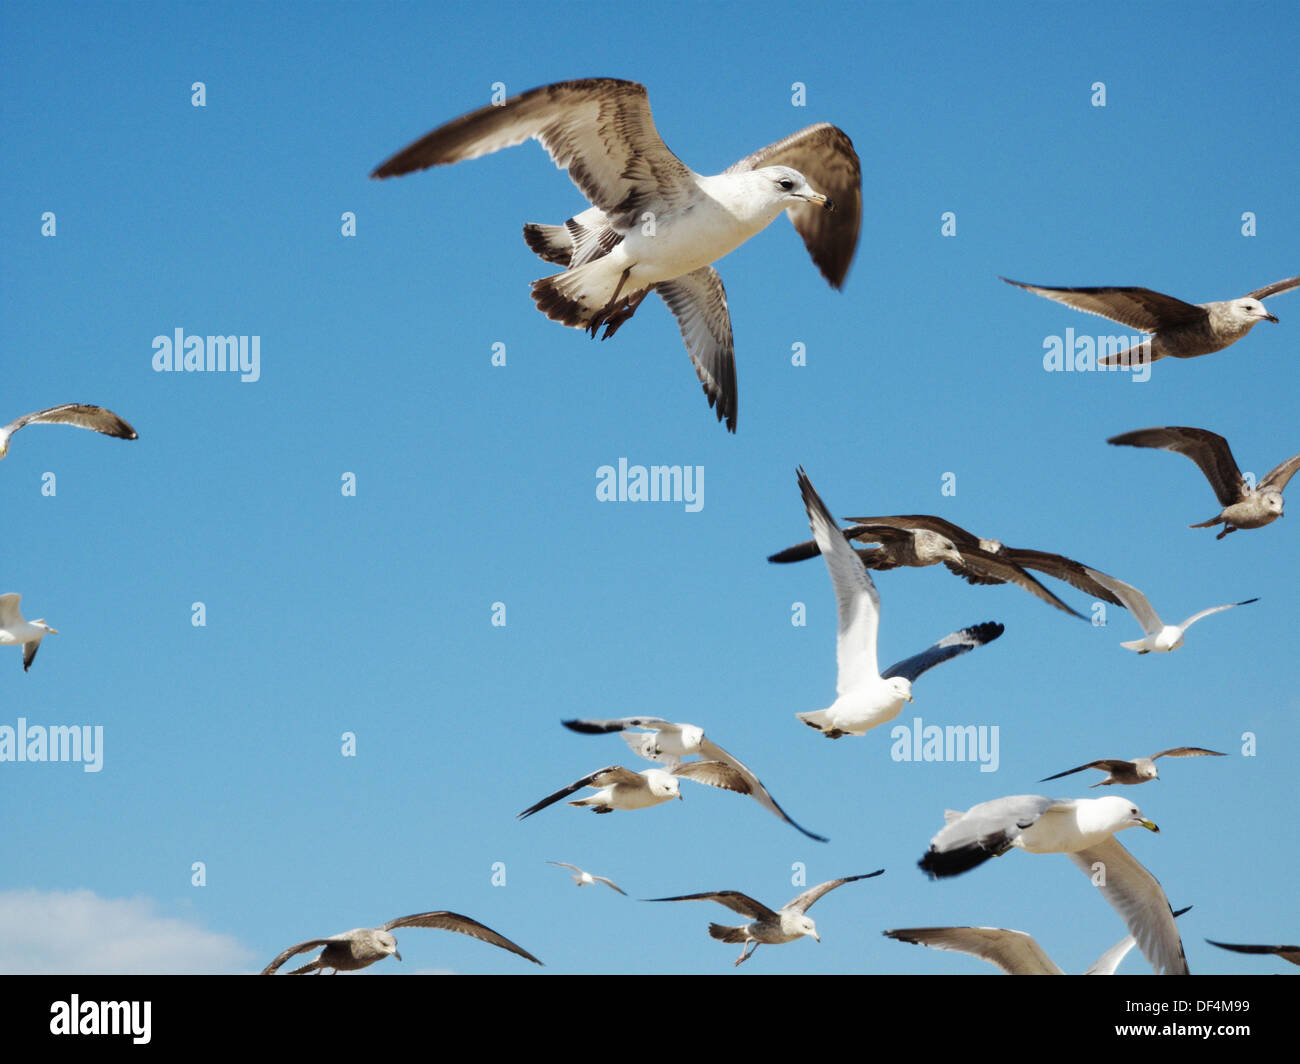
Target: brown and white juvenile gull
[[1157, 635], [80, 415], [767, 927], [1015, 952], [1243, 506], [1083, 829], [362, 946], [14, 631], [586, 879], [668, 743], [1287, 953], [621, 788], [1178, 329], [1139, 770], [655, 224], [919, 540], [867, 698]]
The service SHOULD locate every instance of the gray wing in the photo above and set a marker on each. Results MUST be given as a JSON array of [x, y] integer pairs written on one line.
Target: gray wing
[[1062, 568], [1015, 952], [699, 303], [610, 883], [10, 614], [1188, 751], [959, 536], [1277, 478], [714, 774], [598, 129], [83, 416], [601, 778], [1136, 895], [950, 646], [29, 653], [1105, 764], [618, 724], [1109, 961], [855, 594], [809, 549], [1132, 598], [1288, 953], [801, 903], [1208, 450], [983, 831], [302, 947], [826, 158], [1138, 308], [733, 900], [1276, 288], [713, 751], [446, 921], [983, 567]]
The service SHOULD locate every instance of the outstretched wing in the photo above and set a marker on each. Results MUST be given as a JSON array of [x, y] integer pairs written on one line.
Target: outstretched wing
[[83, 416], [1276, 288], [732, 899], [950, 646], [803, 902], [1208, 450], [712, 750], [447, 921], [1138, 308], [1105, 764], [601, 778], [1277, 478], [1188, 751], [1015, 952], [598, 129], [825, 156], [699, 303], [292, 951]]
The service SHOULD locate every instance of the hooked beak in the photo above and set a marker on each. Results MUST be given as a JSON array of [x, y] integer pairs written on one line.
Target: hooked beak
[[1150, 825], [817, 936], [1271, 317], [397, 955], [52, 631], [909, 697], [825, 202], [679, 796]]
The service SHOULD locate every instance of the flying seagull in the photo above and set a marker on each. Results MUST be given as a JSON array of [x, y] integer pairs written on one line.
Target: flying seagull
[[1015, 952], [655, 224], [923, 539], [621, 788], [1287, 953], [1157, 636], [767, 927], [867, 698], [586, 879], [668, 743], [1083, 829], [362, 946], [1178, 329], [1243, 507], [14, 631], [1139, 770], [79, 414]]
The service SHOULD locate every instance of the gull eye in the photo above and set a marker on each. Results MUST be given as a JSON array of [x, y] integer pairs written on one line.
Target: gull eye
[[786, 184]]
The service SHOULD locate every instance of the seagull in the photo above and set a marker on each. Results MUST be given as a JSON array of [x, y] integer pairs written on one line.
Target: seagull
[[14, 631], [1015, 952], [767, 927], [362, 946], [655, 224], [1083, 829], [1287, 953], [78, 414], [668, 743], [621, 788], [1139, 770], [1178, 329], [586, 879], [1243, 507], [867, 699], [1158, 635], [923, 539]]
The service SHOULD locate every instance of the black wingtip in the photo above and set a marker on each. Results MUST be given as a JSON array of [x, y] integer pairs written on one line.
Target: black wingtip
[[939, 865]]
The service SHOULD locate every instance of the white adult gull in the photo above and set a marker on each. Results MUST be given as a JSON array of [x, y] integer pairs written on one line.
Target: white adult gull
[[668, 743], [1157, 636], [362, 946], [1139, 770], [621, 788], [586, 879], [1083, 829], [655, 224], [14, 631], [767, 927], [866, 698], [1243, 506], [1178, 329], [1015, 952], [79, 415]]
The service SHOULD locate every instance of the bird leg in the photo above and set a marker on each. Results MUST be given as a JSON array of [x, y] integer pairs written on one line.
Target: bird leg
[[1226, 529], [752, 947]]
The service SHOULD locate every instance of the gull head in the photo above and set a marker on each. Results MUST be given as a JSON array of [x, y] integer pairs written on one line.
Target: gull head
[[387, 944], [1272, 502], [692, 736], [40, 623], [789, 188], [1124, 814], [663, 784], [1251, 310], [800, 924], [931, 545], [901, 686]]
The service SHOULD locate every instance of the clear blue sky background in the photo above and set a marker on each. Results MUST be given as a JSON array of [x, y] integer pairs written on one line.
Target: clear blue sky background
[[476, 484]]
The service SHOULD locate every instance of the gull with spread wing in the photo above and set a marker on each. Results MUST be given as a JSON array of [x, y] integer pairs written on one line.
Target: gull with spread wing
[[1157, 636]]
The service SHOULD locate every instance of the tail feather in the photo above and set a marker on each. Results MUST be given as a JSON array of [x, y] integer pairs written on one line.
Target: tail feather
[[1137, 355], [1210, 523], [550, 242], [723, 933], [587, 297]]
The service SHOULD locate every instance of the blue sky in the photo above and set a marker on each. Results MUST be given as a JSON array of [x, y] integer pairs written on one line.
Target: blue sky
[[475, 484]]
